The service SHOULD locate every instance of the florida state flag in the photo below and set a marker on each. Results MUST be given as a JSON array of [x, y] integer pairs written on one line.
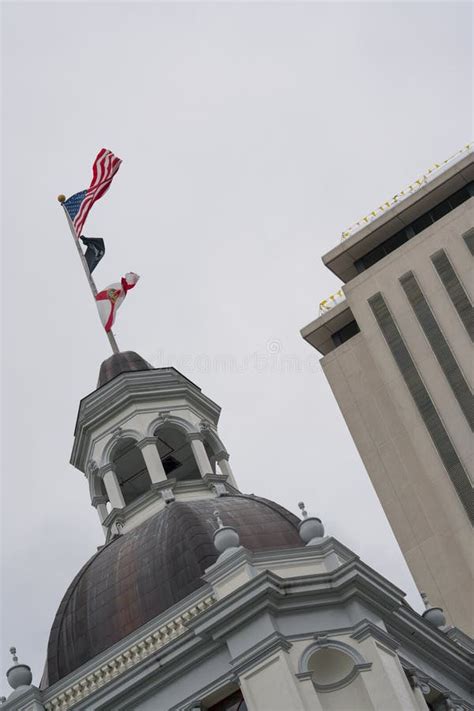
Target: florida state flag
[[111, 298]]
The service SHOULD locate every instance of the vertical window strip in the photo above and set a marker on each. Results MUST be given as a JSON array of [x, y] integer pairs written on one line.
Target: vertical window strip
[[455, 289], [439, 345], [423, 403], [468, 238]]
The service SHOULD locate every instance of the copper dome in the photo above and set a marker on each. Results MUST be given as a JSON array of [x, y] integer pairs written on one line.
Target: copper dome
[[142, 573], [123, 362]]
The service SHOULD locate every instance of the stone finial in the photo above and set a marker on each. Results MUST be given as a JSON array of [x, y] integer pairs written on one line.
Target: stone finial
[[304, 513], [226, 538], [18, 674], [311, 529], [433, 615]]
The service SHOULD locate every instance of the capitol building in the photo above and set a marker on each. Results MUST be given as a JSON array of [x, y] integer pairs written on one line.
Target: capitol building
[[203, 597]]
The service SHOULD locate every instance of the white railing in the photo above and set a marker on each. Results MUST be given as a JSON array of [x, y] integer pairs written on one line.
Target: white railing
[[117, 665], [435, 170], [329, 303]]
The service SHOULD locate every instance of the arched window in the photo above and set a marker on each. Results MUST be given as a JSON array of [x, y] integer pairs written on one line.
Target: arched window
[[130, 469], [334, 668], [176, 453], [330, 667]]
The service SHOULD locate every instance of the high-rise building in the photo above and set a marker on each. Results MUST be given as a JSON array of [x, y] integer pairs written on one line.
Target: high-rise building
[[397, 352], [202, 597]]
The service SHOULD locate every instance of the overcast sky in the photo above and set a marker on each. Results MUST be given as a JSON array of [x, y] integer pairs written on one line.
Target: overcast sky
[[251, 136]]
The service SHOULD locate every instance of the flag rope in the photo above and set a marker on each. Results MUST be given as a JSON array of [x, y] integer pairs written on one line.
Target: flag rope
[[93, 288]]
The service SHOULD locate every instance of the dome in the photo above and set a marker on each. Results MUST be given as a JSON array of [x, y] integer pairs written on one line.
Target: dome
[[142, 573], [118, 363]]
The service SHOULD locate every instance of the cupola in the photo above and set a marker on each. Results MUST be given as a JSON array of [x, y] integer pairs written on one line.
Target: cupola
[[144, 438]]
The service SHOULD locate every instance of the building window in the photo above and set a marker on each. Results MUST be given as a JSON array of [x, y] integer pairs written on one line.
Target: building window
[[130, 469], [234, 702], [344, 333], [414, 228]]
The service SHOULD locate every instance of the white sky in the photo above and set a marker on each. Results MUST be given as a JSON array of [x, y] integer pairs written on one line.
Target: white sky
[[251, 135]]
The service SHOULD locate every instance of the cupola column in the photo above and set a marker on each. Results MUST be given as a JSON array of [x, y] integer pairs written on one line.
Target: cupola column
[[102, 511], [418, 688], [100, 503], [152, 460], [112, 487], [200, 454], [222, 459]]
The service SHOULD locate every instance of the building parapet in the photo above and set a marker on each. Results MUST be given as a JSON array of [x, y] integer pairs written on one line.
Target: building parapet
[[431, 173], [391, 228], [332, 300]]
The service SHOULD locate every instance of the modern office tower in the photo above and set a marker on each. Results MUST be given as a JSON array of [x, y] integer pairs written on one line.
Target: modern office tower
[[397, 352]]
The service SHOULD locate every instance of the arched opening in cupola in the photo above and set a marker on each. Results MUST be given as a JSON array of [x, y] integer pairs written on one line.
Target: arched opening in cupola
[[130, 469], [176, 454]]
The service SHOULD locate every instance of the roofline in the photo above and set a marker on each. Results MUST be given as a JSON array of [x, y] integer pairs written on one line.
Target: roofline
[[136, 386], [269, 591], [340, 259], [165, 367], [318, 333]]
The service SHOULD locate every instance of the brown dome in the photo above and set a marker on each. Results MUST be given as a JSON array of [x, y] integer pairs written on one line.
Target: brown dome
[[142, 573], [118, 363]]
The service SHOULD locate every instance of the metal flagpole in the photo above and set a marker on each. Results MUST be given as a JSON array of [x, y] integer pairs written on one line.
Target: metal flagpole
[[93, 288]]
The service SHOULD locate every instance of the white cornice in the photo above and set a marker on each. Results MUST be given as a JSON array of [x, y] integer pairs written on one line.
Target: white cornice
[[160, 494], [263, 649], [152, 386], [116, 665]]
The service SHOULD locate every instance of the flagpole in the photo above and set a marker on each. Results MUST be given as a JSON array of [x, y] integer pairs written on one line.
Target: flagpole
[[93, 288]]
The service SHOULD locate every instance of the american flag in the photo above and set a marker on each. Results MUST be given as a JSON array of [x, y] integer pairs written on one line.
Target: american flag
[[78, 205]]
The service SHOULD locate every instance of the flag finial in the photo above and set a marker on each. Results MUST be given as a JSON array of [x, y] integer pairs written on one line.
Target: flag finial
[[61, 198]]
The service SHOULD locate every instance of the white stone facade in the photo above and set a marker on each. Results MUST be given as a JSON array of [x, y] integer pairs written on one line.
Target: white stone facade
[[294, 629], [325, 632]]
